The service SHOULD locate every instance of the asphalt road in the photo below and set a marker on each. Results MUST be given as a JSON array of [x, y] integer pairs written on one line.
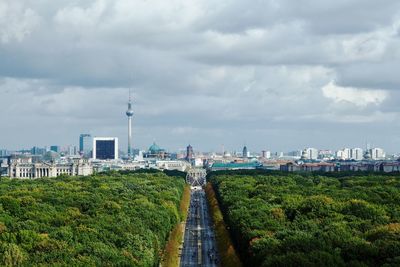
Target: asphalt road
[[199, 246]]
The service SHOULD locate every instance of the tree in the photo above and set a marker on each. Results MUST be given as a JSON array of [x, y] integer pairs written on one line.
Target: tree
[[12, 255]]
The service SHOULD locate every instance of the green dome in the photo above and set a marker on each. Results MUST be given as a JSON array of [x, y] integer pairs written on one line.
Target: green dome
[[154, 149]]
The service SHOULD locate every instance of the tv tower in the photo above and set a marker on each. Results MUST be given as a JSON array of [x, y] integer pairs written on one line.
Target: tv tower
[[129, 113]]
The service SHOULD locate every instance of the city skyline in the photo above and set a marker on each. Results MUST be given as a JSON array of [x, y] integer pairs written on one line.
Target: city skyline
[[71, 150], [279, 76]]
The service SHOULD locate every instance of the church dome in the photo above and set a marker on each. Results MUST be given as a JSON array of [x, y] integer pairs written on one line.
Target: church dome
[[154, 149]]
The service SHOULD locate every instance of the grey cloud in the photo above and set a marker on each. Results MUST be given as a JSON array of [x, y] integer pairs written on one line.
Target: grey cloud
[[205, 72], [372, 75], [322, 17]]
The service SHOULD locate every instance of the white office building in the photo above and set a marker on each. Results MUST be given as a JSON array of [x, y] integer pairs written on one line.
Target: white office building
[[343, 154], [357, 154], [312, 153], [266, 154], [325, 154], [377, 153], [347, 153]]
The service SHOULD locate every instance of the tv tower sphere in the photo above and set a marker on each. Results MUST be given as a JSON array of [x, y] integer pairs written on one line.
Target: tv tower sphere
[[129, 112]]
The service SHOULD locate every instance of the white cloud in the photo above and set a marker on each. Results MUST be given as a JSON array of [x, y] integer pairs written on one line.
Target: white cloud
[[81, 17], [16, 21], [357, 96]]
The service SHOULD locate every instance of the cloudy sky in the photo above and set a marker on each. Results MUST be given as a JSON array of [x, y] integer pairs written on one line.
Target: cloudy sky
[[274, 74]]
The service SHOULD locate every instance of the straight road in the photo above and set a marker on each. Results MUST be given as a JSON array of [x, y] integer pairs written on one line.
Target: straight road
[[199, 246]]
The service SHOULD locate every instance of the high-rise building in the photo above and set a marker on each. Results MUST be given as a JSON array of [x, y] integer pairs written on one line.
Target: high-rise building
[[296, 153], [346, 153], [266, 154], [3, 153], [377, 153], [85, 144], [105, 148], [71, 150], [340, 154], [356, 153], [343, 154], [38, 151], [304, 155], [189, 152], [245, 153], [129, 113], [55, 149], [312, 153], [325, 154]]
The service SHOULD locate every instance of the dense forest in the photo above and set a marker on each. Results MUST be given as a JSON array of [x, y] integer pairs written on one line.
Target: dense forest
[[118, 219], [284, 219]]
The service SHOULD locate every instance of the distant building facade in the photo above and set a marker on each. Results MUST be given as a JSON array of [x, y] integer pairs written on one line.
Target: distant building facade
[[377, 153], [189, 153], [3, 167], [372, 166], [357, 154], [266, 154], [71, 151], [85, 144], [308, 167], [172, 165], [38, 150], [340, 155], [156, 152], [27, 169], [3, 153], [312, 153], [235, 166], [343, 154], [55, 149], [245, 152], [325, 154], [105, 148]]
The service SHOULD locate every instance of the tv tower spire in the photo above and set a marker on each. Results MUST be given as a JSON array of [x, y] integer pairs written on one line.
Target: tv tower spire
[[129, 113]]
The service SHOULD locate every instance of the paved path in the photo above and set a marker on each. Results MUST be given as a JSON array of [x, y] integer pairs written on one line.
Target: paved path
[[199, 247]]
